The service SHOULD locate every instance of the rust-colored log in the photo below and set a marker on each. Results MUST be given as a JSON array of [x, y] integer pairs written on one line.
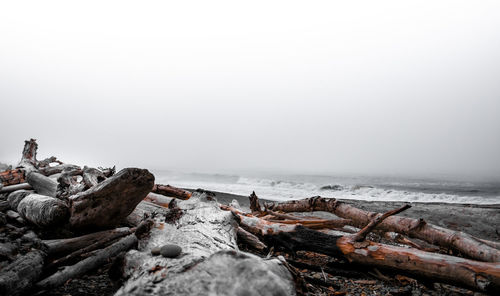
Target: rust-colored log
[[317, 224], [483, 276], [414, 228], [171, 191], [12, 177]]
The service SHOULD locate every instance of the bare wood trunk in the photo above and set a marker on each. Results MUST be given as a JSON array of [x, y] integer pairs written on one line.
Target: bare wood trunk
[[68, 245], [49, 171], [210, 263], [16, 187], [103, 242], [483, 276], [19, 276], [110, 202], [171, 191], [99, 258], [42, 184], [251, 240], [92, 177], [455, 240], [43, 211]]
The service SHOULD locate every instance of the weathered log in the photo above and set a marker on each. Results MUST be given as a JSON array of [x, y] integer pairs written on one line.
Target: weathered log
[[11, 188], [110, 202], [67, 183], [28, 160], [158, 199], [15, 198], [12, 177], [254, 203], [483, 276], [92, 177], [99, 258], [251, 240], [455, 240], [42, 184], [68, 245], [171, 191], [316, 224], [143, 210], [43, 211], [103, 241], [49, 171], [209, 263], [19, 276]]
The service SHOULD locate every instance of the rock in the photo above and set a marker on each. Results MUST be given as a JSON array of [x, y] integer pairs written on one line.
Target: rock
[[170, 251], [156, 251], [12, 215], [332, 187], [15, 197]]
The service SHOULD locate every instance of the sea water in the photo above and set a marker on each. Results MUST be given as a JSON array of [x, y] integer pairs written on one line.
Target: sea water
[[282, 187]]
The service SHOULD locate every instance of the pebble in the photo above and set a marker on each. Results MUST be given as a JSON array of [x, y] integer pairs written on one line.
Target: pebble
[[156, 251], [170, 251]]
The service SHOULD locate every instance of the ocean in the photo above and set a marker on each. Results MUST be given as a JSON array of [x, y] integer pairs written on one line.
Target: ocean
[[281, 187]]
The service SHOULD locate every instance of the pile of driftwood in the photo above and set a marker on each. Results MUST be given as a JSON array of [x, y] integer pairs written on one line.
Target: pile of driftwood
[[59, 221], [79, 208], [415, 247]]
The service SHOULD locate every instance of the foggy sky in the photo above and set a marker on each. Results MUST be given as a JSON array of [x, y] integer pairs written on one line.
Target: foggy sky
[[363, 87]]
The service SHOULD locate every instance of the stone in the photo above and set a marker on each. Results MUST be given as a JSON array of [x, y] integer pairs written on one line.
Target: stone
[[156, 251], [170, 251]]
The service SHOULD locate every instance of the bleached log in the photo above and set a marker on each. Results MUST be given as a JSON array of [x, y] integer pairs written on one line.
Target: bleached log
[[110, 202], [414, 228], [99, 258], [210, 263], [43, 211], [42, 184], [92, 177], [49, 171], [14, 198], [22, 273]]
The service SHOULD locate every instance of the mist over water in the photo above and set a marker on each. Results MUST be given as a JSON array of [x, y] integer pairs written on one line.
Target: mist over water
[[329, 88], [285, 187]]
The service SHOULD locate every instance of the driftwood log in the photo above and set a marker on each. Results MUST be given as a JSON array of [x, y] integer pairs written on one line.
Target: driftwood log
[[111, 201], [99, 258], [42, 210], [68, 245], [483, 276], [19, 276], [414, 228], [171, 191], [210, 263]]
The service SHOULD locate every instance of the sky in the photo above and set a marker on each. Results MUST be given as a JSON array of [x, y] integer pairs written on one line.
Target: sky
[[345, 87]]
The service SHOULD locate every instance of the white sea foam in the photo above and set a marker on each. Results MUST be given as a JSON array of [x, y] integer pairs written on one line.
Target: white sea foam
[[285, 189]]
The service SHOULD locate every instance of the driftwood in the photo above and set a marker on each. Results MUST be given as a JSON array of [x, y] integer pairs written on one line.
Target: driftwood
[[455, 240], [43, 211], [92, 177], [210, 263], [67, 183], [49, 171], [171, 191], [68, 245], [42, 184], [12, 177], [483, 276], [110, 202], [14, 198], [11, 188], [99, 258], [19, 276], [251, 240]]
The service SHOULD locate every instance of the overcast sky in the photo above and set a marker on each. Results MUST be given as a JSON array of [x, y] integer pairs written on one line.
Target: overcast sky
[[364, 87]]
